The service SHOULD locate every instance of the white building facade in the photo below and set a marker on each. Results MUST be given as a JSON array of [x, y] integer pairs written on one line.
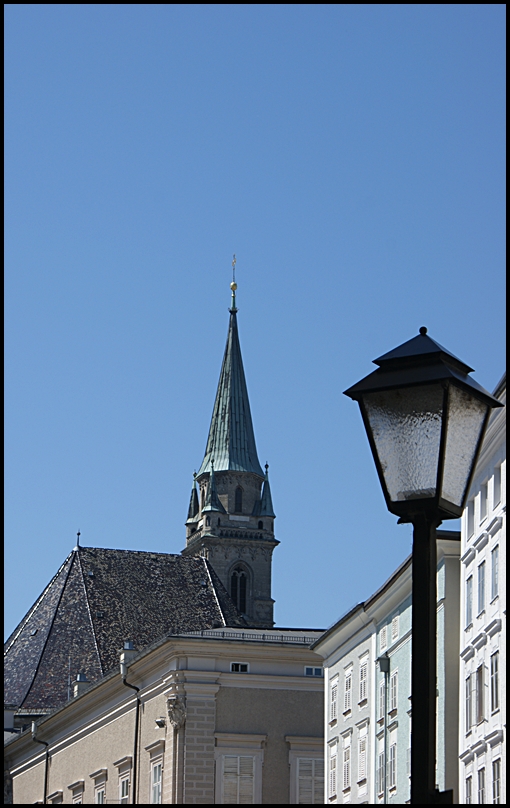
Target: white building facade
[[482, 730], [367, 681]]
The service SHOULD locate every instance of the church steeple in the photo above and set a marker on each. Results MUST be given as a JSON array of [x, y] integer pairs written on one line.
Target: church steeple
[[231, 440], [233, 525]]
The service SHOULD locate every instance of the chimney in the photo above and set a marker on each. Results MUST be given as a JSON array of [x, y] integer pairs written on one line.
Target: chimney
[[126, 655], [81, 684]]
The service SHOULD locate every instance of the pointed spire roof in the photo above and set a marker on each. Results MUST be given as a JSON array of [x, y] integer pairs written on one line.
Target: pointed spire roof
[[212, 501], [231, 440], [193, 504], [264, 506]]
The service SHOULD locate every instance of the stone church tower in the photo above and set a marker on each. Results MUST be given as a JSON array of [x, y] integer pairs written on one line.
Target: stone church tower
[[231, 518]]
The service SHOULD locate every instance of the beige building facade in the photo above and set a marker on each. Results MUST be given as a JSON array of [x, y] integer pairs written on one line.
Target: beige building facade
[[224, 716]]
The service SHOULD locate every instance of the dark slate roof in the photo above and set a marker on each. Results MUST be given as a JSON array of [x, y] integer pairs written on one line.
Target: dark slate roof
[[98, 599], [264, 506], [231, 441]]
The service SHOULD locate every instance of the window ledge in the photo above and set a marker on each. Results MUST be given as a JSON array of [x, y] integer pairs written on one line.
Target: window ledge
[[347, 712], [392, 713], [362, 703], [333, 722], [361, 782]]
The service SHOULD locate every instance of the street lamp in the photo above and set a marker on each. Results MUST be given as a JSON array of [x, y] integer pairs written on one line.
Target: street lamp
[[425, 419]]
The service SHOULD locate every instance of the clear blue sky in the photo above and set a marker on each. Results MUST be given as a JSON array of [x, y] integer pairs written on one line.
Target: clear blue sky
[[352, 156]]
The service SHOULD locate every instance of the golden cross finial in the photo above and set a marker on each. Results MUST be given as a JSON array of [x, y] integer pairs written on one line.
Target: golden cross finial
[[233, 285]]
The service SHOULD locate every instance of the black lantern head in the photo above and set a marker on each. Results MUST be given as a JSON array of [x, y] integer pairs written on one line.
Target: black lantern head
[[425, 420]]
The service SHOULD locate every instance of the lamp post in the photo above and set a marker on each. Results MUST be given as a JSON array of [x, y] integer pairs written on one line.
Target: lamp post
[[425, 419]]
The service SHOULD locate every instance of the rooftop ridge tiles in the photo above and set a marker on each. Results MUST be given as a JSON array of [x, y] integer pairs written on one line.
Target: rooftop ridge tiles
[[13, 636]]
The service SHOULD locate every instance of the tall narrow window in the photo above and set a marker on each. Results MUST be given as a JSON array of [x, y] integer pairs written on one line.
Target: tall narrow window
[[394, 629], [202, 497], [380, 773], [469, 600], [156, 774], [392, 766], [469, 790], [481, 587], [484, 495], [124, 791], [334, 702], [470, 518], [481, 787], [363, 674], [393, 691], [469, 704], [348, 692], [382, 695], [383, 638], [495, 573], [496, 782], [332, 770], [238, 500], [238, 779], [362, 758], [347, 767], [495, 681], [479, 695], [238, 587], [497, 486]]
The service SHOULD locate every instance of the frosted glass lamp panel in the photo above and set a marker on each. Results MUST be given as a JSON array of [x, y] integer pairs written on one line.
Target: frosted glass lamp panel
[[466, 416], [406, 427]]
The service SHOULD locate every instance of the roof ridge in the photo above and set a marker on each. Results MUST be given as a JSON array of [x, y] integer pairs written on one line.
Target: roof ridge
[[214, 591], [36, 671], [13, 636], [89, 612]]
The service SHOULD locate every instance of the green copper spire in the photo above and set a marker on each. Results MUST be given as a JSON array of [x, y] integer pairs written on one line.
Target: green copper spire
[[231, 440]]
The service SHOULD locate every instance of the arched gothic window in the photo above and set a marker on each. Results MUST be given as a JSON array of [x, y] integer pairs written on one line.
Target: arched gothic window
[[207, 520], [238, 501], [203, 497], [238, 587], [219, 521]]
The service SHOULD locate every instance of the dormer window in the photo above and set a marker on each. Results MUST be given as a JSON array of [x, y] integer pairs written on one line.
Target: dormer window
[[238, 500]]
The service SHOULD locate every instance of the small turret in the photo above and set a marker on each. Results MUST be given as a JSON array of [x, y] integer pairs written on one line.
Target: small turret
[[212, 501], [264, 506], [193, 504]]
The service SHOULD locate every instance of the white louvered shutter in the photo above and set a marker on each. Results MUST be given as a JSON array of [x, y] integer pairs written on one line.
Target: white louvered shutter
[[348, 690], [238, 779], [362, 762], [332, 776], [310, 781], [347, 767], [334, 702]]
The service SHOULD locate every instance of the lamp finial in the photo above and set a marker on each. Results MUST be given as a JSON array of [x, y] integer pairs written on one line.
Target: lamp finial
[[423, 330]]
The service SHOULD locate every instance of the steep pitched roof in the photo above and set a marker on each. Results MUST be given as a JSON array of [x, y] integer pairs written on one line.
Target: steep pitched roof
[[231, 441], [98, 599]]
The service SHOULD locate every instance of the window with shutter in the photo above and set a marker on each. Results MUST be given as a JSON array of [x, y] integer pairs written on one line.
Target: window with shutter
[[362, 759], [393, 691], [363, 674], [392, 766], [479, 695], [394, 628], [469, 705], [334, 701], [382, 695], [348, 692], [347, 767], [310, 781], [332, 771], [238, 779], [380, 773], [383, 638], [495, 681]]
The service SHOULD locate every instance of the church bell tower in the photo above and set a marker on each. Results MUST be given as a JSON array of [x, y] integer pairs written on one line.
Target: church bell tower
[[230, 517]]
